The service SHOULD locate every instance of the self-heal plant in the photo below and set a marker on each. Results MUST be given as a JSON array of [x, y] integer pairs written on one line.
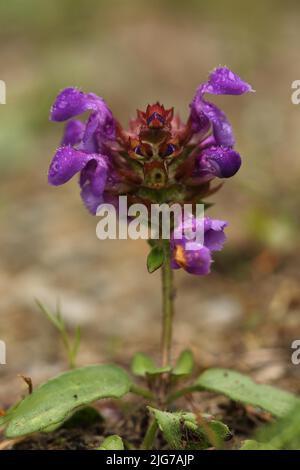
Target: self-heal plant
[[158, 159]]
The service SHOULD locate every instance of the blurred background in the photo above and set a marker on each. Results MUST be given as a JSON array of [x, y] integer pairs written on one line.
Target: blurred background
[[246, 313]]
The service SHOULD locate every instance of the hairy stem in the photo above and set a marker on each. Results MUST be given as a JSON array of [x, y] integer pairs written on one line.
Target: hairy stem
[[168, 309]]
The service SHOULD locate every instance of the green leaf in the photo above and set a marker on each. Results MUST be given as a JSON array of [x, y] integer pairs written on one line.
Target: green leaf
[[143, 365], [242, 389], [184, 364], [283, 434], [54, 401], [155, 259], [112, 443], [55, 319], [254, 445], [183, 431], [71, 344]]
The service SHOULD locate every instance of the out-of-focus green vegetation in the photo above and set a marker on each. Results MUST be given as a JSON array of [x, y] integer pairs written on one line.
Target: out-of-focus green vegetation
[[134, 52]]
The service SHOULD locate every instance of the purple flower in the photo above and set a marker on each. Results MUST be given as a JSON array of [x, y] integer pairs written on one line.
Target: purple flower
[[221, 81], [197, 260], [83, 144], [216, 156]]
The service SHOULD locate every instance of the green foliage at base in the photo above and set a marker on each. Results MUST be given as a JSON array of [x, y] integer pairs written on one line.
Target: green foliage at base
[[57, 399], [184, 430], [243, 389]]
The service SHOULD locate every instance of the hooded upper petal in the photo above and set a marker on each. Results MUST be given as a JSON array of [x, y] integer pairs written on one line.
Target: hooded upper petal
[[221, 81], [219, 161], [71, 102]]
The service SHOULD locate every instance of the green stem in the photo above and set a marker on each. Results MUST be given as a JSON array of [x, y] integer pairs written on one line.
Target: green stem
[[168, 310], [150, 436]]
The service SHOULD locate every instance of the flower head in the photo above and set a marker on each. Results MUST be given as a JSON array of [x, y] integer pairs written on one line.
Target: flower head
[[158, 158], [157, 153]]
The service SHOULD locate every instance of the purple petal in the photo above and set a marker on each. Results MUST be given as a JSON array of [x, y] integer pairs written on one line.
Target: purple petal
[[91, 201], [91, 127], [221, 81], [68, 161], [94, 175], [214, 236], [222, 130], [200, 122], [92, 182], [102, 122], [222, 162], [73, 134], [193, 261], [95, 130], [71, 102]]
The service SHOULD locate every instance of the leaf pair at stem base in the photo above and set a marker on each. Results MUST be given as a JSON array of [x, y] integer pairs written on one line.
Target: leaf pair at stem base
[[56, 400]]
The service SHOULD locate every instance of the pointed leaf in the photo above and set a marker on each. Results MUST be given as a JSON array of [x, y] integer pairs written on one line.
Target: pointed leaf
[[184, 364], [55, 319], [55, 400], [141, 364], [241, 388], [155, 259]]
